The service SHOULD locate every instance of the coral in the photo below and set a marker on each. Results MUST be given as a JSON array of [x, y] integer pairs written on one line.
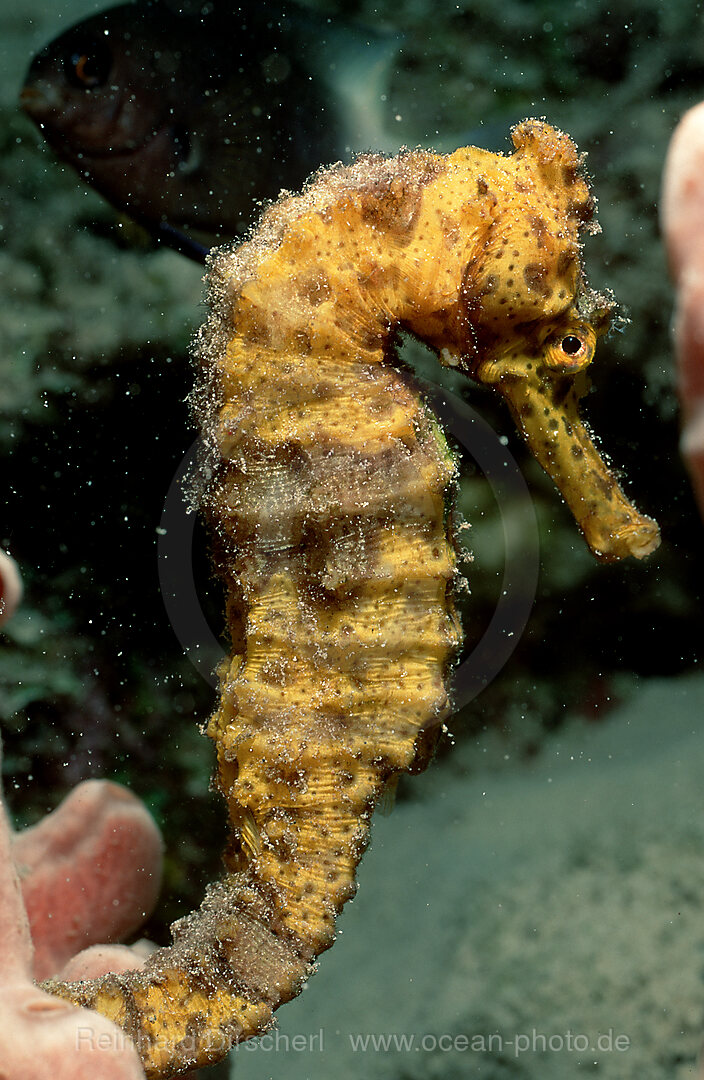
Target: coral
[[683, 227]]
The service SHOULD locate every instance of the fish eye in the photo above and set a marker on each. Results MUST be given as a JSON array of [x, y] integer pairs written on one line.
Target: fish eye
[[89, 68]]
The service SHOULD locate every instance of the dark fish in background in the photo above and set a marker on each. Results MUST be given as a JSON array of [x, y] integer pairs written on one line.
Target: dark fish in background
[[185, 119]]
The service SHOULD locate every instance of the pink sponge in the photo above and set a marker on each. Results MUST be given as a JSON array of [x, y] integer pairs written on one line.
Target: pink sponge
[[10, 587], [682, 211], [90, 872], [41, 1037]]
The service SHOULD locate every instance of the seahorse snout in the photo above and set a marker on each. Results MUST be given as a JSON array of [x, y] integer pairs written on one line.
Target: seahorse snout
[[545, 408]]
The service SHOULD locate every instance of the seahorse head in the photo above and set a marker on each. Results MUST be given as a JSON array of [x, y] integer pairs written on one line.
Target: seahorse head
[[531, 325]]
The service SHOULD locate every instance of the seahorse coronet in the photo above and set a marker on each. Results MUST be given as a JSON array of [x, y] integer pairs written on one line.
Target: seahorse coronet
[[327, 484]]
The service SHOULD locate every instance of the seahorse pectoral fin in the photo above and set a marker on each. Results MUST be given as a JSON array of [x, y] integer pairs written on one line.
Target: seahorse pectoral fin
[[546, 412]]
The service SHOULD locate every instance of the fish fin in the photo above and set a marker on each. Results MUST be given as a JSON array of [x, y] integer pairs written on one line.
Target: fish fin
[[249, 835], [182, 243], [387, 798], [362, 86], [353, 63]]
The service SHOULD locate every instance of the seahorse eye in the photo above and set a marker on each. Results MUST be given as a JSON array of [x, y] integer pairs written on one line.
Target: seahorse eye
[[572, 345], [570, 352]]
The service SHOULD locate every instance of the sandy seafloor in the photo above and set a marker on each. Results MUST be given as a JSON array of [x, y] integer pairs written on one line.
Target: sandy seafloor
[[526, 903]]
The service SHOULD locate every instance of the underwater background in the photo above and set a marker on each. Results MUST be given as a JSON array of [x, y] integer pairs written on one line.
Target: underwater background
[[547, 874]]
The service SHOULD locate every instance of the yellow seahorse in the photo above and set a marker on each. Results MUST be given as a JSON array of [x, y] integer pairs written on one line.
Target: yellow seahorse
[[327, 494]]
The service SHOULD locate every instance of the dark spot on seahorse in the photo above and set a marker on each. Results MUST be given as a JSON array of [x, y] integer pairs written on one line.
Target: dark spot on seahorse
[[535, 277], [288, 774], [567, 426], [582, 208], [605, 484], [370, 338], [285, 847], [315, 287], [564, 261], [570, 174], [195, 1027], [387, 204], [539, 227], [257, 333], [449, 229], [325, 390], [302, 343], [560, 390]]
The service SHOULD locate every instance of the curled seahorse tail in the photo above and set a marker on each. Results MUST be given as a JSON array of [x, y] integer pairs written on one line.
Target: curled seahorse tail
[[216, 986]]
